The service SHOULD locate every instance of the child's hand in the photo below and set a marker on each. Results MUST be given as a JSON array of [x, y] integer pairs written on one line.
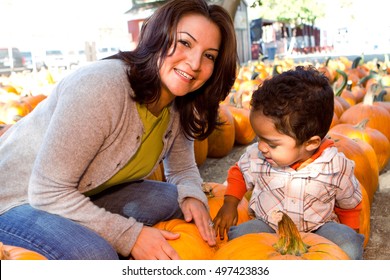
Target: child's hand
[[227, 216]]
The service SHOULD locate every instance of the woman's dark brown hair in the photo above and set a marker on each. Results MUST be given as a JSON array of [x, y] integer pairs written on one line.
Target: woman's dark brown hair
[[300, 102], [199, 109]]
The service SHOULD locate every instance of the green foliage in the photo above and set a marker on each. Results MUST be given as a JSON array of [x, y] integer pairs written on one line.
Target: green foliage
[[293, 12]]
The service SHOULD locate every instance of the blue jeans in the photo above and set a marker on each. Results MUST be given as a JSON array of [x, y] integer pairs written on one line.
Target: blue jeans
[[59, 238], [345, 237]]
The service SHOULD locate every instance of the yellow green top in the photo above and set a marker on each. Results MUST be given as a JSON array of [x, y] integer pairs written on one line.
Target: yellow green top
[[148, 153]]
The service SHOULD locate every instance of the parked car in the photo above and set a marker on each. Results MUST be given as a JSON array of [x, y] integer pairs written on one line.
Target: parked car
[[106, 52], [8, 64], [58, 59], [30, 61]]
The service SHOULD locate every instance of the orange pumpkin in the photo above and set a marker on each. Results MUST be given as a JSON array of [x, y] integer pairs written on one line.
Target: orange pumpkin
[[14, 110], [366, 169], [374, 137], [190, 245], [338, 107], [288, 244], [379, 117], [34, 100], [335, 120], [200, 150], [10, 89], [365, 216], [221, 140], [8, 252], [243, 131]]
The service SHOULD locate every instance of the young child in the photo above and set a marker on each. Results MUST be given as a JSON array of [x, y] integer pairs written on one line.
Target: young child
[[294, 167]]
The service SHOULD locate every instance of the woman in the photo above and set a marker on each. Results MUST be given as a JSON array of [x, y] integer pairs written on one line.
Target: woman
[[73, 170]]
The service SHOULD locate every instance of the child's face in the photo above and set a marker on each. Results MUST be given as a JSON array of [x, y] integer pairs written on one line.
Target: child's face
[[278, 149]]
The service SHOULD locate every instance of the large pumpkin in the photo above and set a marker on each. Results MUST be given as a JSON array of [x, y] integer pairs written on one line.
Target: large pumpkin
[[8, 252], [221, 140], [190, 245], [243, 131], [288, 244], [374, 137], [365, 216], [379, 117], [201, 149], [366, 168]]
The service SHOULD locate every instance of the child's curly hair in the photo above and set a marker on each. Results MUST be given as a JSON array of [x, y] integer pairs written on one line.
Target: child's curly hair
[[300, 101]]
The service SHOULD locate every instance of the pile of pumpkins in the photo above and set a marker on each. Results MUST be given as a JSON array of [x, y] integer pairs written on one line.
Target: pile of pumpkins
[[359, 129]]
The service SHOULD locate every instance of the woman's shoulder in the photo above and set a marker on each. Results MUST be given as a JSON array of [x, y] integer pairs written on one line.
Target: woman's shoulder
[[111, 68]]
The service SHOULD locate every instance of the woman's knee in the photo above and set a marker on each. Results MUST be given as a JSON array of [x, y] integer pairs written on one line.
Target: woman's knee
[[53, 236]]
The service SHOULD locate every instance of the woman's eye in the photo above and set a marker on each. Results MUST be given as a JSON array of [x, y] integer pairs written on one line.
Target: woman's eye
[[211, 57], [185, 43]]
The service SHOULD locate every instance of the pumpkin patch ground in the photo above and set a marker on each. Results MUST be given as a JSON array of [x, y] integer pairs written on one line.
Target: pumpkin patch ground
[[378, 246]]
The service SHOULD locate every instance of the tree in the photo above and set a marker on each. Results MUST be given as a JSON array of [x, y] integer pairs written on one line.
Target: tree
[[292, 13]]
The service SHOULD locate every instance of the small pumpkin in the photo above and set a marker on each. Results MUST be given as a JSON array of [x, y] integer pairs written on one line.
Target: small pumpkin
[[8, 252], [287, 244]]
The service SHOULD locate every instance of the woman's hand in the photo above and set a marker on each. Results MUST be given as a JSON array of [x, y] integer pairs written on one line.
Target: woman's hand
[[152, 244], [194, 209], [227, 216]]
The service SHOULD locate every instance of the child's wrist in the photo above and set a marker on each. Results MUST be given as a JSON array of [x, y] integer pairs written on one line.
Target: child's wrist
[[231, 200]]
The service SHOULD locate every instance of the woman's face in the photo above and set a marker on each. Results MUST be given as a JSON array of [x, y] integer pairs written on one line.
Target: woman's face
[[192, 63]]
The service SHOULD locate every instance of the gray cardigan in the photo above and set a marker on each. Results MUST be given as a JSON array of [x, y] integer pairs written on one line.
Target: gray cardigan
[[78, 138]]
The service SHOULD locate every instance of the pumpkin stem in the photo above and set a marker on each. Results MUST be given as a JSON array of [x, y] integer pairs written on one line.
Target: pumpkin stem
[[356, 62], [207, 189], [344, 76], [370, 94], [381, 95], [362, 125], [290, 241], [4, 254]]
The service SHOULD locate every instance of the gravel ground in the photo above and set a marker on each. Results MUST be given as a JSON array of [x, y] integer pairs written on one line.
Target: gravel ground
[[378, 248]]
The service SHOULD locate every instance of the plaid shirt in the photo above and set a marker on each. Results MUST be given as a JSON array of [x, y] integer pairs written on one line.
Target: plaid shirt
[[308, 195]]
